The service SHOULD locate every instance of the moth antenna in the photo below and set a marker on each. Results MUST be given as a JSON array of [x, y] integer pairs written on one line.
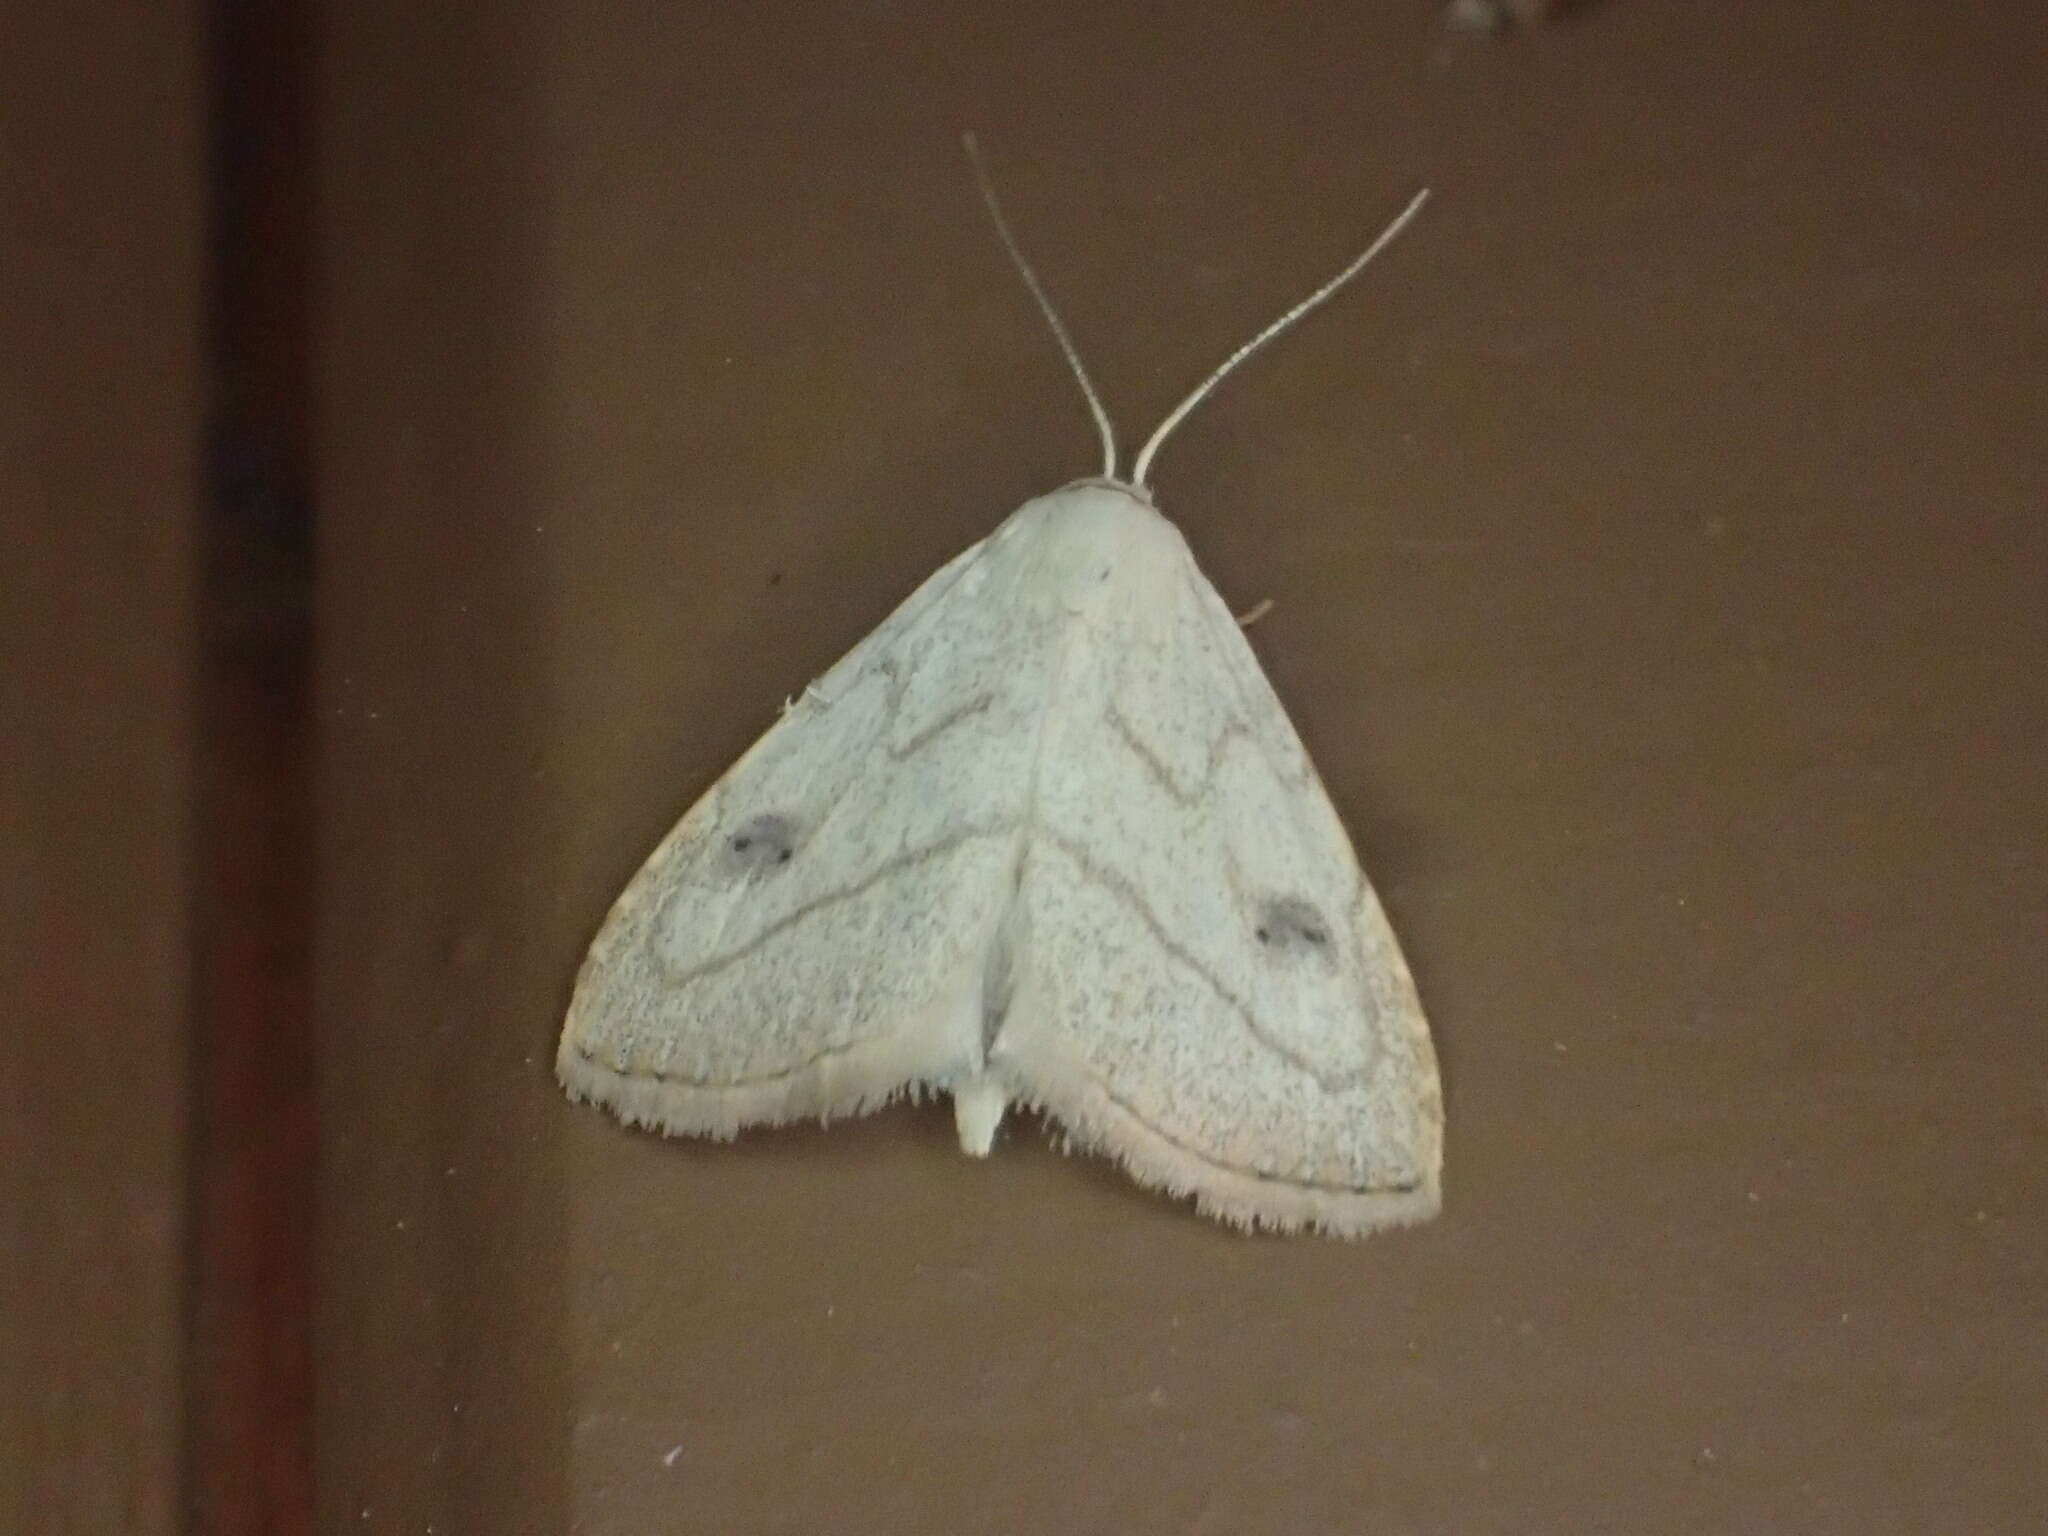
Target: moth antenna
[[1201, 391], [1052, 316]]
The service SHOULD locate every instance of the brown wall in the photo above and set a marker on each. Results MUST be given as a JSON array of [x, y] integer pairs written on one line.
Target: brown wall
[[1657, 544], [101, 209]]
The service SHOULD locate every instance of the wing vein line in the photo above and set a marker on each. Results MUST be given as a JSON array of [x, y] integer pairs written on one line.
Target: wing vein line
[[1402, 1187], [1134, 899], [663, 1075], [1156, 766], [890, 866], [978, 705]]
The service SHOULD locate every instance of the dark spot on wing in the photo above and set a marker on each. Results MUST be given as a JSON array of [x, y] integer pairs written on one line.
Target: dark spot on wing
[[767, 841], [1288, 924]]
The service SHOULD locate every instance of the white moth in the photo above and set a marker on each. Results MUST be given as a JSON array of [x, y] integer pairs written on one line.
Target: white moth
[[1045, 837]]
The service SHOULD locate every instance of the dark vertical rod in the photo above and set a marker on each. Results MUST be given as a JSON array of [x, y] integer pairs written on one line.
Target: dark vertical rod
[[250, 1456]]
